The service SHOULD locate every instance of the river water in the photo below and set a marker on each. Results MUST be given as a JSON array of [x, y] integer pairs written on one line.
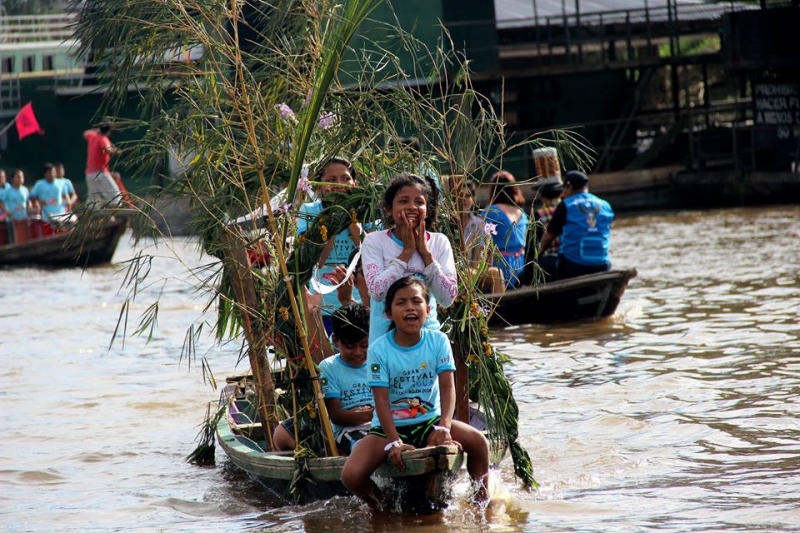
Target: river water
[[680, 413]]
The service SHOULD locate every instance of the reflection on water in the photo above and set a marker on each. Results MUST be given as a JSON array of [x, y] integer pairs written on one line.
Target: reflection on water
[[678, 414]]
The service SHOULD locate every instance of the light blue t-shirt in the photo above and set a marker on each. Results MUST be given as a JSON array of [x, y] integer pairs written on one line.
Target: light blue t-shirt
[[69, 188], [411, 373], [16, 202], [346, 383], [52, 194], [343, 247]]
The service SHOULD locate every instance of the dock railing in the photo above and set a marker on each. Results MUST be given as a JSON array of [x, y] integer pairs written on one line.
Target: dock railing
[[28, 29]]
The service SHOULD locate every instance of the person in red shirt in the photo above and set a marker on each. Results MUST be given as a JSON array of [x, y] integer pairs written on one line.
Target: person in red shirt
[[102, 188]]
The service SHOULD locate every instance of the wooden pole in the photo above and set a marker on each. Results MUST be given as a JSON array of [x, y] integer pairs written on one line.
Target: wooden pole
[[458, 190], [8, 126], [238, 265]]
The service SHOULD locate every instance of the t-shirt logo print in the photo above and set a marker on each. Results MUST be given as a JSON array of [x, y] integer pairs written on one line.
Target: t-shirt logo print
[[376, 371], [409, 407]]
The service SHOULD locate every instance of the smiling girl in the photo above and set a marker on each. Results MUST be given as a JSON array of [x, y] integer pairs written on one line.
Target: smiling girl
[[336, 175], [408, 250], [410, 371]]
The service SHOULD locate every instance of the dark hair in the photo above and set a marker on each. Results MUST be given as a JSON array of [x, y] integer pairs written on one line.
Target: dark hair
[[105, 129], [350, 323], [339, 161], [505, 189], [577, 179], [47, 167], [428, 186], [352, 256], [402, 283]]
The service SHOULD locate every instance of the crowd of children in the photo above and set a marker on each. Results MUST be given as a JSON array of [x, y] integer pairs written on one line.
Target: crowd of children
[[51, 200], [389, 332]]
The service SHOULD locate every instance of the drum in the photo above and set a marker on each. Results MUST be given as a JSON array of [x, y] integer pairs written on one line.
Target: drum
[[3, 233], [547, 165]]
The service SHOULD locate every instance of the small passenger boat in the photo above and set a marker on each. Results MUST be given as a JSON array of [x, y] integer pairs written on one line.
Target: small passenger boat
[[583, 297], [425, 486], [89, 243]]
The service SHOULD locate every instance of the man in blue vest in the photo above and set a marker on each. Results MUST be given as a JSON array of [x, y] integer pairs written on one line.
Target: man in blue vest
[[583, 223]]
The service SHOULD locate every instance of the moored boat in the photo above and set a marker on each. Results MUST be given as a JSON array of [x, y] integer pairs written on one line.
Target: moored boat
[[583, 297], [92, 242], [426, 485]]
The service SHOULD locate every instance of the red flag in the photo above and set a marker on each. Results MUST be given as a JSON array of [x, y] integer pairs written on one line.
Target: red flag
[[27, 123]]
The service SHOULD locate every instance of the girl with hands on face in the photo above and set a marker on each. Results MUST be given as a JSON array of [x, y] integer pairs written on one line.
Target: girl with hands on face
[[408, 249]]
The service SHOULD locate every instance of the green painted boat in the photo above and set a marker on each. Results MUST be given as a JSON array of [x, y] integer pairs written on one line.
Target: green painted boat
[[425, 486]]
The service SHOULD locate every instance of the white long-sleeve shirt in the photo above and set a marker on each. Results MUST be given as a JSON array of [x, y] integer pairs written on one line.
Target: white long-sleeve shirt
[[379, 258]]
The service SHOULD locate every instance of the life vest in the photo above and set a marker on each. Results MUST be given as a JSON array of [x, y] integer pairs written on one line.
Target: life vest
[[587, 232]]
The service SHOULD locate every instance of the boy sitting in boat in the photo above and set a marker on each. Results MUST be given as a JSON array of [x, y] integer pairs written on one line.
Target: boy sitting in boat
[[412, 363], [343, 376]]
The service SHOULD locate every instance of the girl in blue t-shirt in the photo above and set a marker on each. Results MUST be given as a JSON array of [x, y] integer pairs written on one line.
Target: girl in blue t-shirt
[[338, 175], [410, 370]]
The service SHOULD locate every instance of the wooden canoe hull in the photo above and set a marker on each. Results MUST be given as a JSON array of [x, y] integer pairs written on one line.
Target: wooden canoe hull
[[425, 486], [584, 297], [88, 245]]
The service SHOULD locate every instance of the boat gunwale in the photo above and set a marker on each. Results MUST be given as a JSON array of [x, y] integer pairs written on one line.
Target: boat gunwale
[[609, 276], [431, 460], [55, 250]]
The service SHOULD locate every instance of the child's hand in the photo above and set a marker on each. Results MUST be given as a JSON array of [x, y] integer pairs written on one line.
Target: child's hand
[[396, 456], [336, 276], [422, 244], [406, 233], [345, 291], [442, 438]]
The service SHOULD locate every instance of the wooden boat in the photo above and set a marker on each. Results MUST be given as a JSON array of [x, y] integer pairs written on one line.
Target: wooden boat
[[90, 243], [584, 297], [425, 486]]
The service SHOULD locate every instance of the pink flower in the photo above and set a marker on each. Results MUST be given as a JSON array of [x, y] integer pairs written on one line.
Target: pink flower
[[326, 121], [303, 184], [489, 229], [285, 111]]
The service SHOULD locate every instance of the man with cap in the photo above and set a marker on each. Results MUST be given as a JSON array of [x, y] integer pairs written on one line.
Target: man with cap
[[583, 223]]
